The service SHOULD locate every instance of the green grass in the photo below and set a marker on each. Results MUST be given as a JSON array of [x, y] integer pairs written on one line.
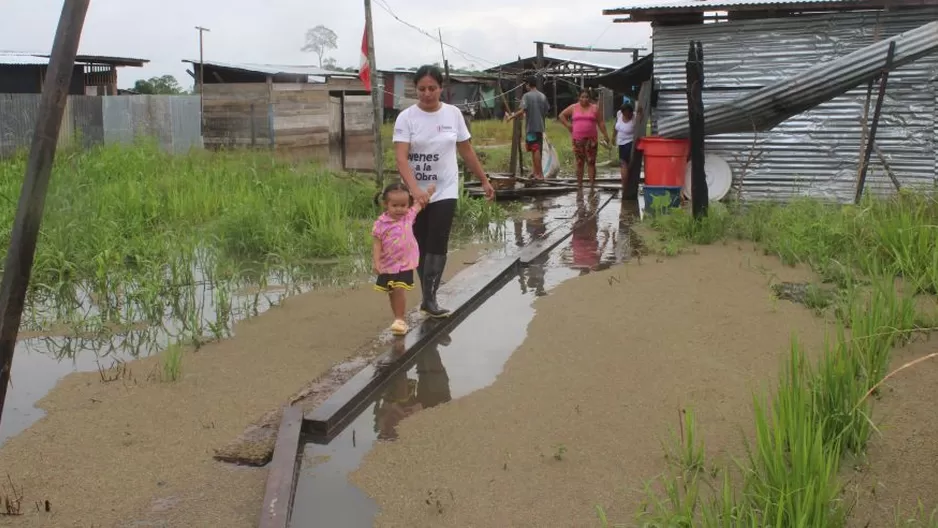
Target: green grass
[[819, 411], [171, 365], [129, 232]]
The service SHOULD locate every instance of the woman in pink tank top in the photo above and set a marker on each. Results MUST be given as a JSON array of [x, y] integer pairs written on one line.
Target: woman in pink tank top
[[584, 122]]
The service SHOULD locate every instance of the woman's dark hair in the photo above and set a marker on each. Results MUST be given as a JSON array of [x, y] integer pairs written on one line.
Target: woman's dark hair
[[627, 108], [429, 70], [382, 196]]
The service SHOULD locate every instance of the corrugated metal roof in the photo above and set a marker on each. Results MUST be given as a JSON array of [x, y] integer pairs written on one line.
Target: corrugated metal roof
[[22, 59], [275, 69], [41, 59], [715, 5], [650, 10]]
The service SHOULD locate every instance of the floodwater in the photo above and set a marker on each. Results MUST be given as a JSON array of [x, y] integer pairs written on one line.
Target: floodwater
[[467, 358], [41, 359]]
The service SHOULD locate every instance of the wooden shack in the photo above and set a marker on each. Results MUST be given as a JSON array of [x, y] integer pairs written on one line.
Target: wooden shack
[[301, 112], [25, 73]]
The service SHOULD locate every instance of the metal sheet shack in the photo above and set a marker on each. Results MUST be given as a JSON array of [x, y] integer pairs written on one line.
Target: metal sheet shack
[[299, 111], [751, 44], [472, 92]]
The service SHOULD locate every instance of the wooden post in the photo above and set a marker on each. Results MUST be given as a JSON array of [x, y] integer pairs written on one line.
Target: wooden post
[[375, 97], [700, 197], [201, 79], [253, 126], [271, 112], [871, 140], [467, 117], [22, 249], [635, 160], [556, 108], [540, 66], [514, 160], [448, 91]]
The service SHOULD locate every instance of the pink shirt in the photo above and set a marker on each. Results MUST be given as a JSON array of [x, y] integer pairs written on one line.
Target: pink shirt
[[584, 122], [399, 250]]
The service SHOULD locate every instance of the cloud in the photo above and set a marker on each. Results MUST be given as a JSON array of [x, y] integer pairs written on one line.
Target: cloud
[[488, 31]]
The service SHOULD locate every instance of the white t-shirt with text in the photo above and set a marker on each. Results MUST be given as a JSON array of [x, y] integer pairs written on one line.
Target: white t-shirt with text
[[432, 137]]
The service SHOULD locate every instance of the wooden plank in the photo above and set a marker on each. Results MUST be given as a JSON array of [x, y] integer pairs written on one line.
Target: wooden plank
[[302, 121], [462, 294], [29, 211], [281, 476], [235, 89]]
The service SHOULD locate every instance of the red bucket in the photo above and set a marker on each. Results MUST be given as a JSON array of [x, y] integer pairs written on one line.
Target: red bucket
[[665, 161]]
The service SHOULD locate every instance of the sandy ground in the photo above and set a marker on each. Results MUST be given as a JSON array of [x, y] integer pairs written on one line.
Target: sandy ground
[[139, 453], [902, 462], [599, 381]]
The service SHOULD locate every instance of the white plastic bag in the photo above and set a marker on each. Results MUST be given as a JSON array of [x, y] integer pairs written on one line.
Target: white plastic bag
[[550, 163]]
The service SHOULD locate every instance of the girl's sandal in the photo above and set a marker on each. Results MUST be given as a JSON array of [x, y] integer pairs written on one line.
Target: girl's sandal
[[399, 327]]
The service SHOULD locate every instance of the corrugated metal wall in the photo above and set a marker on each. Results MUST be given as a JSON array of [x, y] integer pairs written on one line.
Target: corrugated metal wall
[[173, 120], [816, 153]]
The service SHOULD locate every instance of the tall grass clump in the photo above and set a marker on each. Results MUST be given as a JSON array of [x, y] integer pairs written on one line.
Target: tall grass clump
[[894, 236], [820, 410]]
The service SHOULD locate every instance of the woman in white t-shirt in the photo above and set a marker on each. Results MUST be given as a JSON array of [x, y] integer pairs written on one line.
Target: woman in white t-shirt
[[427, 137], [625, 134]]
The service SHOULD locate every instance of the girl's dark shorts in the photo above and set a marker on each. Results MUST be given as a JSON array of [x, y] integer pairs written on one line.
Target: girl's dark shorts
[[403, 280], [625, 153]]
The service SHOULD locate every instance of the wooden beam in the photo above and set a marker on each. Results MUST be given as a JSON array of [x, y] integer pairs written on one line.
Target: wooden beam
[[22, 249], [281, 475], [700, 196], [871, 140], [634, 174]]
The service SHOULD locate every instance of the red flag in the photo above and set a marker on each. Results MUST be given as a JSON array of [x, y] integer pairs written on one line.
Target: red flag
[[364, 68]]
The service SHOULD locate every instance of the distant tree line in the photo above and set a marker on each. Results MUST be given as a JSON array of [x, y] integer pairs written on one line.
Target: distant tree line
[[163, 85]]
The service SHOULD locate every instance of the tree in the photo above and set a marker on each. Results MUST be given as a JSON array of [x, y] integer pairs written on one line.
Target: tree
[[319, 40], [329, 64], [165, 85]]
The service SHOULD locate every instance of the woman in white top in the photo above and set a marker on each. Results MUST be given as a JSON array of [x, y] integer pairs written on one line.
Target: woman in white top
[[625, 134], [427, 137]]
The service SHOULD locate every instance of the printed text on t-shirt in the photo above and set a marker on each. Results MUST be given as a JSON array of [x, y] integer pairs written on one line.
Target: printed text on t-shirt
[[423, 166]]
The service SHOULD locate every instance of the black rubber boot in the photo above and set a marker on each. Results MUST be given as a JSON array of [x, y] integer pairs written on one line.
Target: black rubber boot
[[432, 275]]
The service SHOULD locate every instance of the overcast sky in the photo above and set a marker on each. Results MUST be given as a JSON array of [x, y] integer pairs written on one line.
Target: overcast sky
[[273, 31]]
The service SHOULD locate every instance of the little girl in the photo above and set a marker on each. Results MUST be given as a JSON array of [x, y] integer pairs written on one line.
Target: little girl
[[395, 253]]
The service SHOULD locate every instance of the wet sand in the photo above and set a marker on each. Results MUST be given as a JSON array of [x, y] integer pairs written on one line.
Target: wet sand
[[139, 453], [901, 466], [577, 418]]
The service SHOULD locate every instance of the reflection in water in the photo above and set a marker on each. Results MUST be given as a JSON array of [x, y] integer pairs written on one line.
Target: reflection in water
[[405, 396], [586, 246], [531, 278], [534, 224]]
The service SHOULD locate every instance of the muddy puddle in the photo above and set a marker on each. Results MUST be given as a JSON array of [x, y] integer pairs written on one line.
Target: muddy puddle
[[467, 358]]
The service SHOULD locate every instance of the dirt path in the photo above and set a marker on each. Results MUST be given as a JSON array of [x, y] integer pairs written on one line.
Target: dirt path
[[598, 384], [902, 465], [140, 453]]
